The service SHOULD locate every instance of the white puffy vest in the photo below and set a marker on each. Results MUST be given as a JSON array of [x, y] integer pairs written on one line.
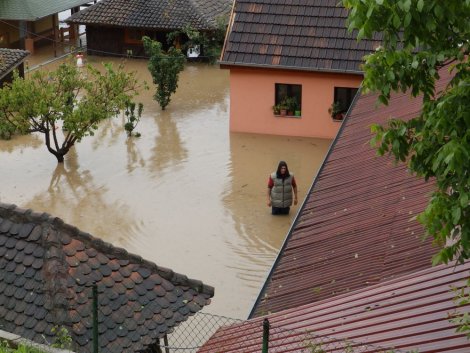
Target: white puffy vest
[[281, 193]]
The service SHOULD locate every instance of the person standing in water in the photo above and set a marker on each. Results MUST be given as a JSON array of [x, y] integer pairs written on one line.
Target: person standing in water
[[282, 189]]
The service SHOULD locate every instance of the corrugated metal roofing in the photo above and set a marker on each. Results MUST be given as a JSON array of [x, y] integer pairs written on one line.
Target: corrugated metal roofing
[[408, 313], [32, 10], [300, 34], [356, 226]]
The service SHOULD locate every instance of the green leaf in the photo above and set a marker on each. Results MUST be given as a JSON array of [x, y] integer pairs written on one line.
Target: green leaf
[[396, 21], [407, 20], [464, 200], [420, 5], [407, 5], [456, 213], [360, 34]]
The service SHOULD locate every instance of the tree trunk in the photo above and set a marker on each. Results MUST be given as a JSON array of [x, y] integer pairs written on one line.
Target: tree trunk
[[60, 158]]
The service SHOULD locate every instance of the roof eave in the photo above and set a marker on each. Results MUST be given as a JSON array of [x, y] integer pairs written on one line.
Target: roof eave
[[230, 64], [13, 67]]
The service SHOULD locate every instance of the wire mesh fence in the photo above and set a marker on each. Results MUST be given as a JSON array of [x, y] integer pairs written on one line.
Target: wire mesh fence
[[190, 335], [261, 336], [285, 340], [161, 325], [122, 328]]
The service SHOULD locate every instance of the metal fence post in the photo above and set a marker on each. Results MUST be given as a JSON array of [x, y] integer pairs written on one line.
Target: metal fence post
[[95, 318], [265, 335]]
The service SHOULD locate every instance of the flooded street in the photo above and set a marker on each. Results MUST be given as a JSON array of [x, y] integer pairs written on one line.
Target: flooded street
[[187, 195]]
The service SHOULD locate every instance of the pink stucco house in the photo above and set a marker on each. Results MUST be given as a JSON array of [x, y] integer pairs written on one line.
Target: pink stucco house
[[299, 50]]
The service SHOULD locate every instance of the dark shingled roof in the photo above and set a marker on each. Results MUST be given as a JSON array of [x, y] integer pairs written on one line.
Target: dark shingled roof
[[47, 269], [294, 34], [356, 227], [10, 59], [154, 14], [403, 315]]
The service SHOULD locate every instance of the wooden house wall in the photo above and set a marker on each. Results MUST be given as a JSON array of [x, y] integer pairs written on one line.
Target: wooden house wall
[[105, 41], [110, 41]]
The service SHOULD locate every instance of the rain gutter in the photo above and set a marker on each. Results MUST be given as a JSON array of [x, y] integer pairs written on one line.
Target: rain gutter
[[228, 65]]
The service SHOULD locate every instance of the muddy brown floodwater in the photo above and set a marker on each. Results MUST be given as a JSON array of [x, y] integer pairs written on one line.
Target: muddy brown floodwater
[[187, 195]]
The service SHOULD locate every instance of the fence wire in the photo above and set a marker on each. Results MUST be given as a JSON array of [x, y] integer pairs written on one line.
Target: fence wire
[[115, 326], [260, 336], [285, 340]]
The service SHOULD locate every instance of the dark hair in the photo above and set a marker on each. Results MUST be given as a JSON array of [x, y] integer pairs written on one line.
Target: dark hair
[[278, 172]]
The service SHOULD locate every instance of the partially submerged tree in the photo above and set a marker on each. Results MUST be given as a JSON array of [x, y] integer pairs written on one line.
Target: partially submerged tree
[[65, 99], [164, 68], [419, 38], [132, 118]]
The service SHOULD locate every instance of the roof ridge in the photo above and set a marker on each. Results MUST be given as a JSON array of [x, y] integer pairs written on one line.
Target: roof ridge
[[201, 14], [19, 214]]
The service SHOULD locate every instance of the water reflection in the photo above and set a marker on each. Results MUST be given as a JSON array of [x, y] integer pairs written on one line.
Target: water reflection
[[109, 133], [253, 158], [187, 194], [73, 194], [169, 149], [134, 156], [19, 143]]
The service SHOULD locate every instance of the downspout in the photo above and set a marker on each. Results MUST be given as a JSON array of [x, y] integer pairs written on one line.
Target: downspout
[[229, 29]]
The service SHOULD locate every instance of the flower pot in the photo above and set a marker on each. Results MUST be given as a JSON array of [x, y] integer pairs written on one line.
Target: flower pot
[[339, 116], [283, 112]]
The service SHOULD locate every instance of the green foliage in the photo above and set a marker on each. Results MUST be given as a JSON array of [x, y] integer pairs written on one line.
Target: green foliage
[[164, 68], [5, 347], [67, 97], [335, 109], [313, 347], [132, 119], [277, 109], [419, 38], [62, 338], [290, 103], [462, 319], [210, 42]]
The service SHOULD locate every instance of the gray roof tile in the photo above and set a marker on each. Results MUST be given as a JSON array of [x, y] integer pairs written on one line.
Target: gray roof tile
[[47, 282], [295, 26], [154, 14]]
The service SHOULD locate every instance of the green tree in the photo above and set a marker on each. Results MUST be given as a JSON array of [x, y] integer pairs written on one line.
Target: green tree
[[210, 42], [66, 98], [419, 38], [164, 68]]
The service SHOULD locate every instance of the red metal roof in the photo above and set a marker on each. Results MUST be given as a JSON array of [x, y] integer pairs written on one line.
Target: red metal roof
[[356, 226], [405, 314]]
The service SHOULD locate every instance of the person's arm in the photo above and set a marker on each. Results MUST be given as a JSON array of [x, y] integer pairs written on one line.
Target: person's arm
[[294, 187], [270, 186]]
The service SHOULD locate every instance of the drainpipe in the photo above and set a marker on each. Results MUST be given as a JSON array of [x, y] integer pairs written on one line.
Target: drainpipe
[[265, 336]]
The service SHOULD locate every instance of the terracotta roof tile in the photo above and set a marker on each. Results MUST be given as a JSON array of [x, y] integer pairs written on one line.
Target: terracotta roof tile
[[47, 272], [295, 26]]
